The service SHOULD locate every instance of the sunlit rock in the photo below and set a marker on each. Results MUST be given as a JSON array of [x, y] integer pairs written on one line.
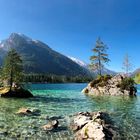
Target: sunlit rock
[[108, 85], [52, 125], [27, 111], [93, 126]]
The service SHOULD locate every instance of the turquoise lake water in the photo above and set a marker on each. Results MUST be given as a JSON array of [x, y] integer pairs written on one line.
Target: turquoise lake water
[[61, 101]]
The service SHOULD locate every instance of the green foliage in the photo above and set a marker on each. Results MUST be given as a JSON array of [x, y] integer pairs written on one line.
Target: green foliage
[[126, 84], [137, 78], [12, 68], [100, 56], [100, 81]]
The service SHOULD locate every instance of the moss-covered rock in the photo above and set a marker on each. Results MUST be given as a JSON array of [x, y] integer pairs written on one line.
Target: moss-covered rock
[[108, 85], [100, 81], [15, 92]]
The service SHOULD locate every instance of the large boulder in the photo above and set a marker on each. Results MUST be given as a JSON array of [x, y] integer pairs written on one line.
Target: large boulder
[[107, 85], [95, 125], [15, 92], [92, 130]]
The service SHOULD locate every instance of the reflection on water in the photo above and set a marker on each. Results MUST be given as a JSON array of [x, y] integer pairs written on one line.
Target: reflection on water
[[125, 112], [60, 101]]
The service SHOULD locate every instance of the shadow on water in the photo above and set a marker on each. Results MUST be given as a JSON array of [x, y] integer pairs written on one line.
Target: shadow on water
[[114, 102], [60, 128]]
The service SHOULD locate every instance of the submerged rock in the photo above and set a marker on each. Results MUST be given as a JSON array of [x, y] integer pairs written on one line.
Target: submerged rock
[[94, 126], [107, 85], [15, 92], [52, 125], [35, 111], [27, 111], [55, 118], [24, 111]]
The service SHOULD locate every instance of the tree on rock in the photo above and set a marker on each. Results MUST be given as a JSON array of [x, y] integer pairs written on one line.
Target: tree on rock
[[12, 68], [100, 56]]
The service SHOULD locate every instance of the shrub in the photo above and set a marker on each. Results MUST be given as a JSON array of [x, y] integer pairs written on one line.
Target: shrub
[[126, 84], [100, 81]]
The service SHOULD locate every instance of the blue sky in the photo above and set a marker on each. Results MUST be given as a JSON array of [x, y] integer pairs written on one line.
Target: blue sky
[[72, 26]]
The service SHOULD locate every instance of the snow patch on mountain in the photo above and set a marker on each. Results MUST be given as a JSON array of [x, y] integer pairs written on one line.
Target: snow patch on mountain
[[36, 41], [1, 45], [24, 36], [83, 64], [79, 62]]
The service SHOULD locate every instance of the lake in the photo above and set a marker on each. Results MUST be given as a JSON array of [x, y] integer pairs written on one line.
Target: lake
[[62, 100]]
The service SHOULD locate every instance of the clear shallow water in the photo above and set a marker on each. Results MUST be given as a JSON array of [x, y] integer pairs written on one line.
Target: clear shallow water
[[64, 100]]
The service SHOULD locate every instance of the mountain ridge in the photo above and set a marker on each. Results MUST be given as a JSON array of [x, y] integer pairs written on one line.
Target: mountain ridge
[[85, 65], [39, 57], [52, 62]]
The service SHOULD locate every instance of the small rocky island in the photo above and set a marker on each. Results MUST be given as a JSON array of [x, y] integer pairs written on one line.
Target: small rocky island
[[12, 75], [15, 92], [111, 85]]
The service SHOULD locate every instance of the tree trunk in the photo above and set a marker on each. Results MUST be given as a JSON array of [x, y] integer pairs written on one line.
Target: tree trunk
[[11, 78], [100, 70]]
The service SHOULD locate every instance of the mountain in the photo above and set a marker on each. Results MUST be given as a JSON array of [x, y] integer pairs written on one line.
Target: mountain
[[135, 72], [39, 57], [79, 62], [107, 71], [86, 66]]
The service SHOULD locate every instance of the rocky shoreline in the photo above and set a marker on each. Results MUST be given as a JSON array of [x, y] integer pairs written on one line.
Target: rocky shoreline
[[93, 126], [108, 85], [85, 125]]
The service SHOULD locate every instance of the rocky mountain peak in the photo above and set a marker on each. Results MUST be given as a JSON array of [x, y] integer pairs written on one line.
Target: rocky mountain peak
[[16, 36], [39, 57]]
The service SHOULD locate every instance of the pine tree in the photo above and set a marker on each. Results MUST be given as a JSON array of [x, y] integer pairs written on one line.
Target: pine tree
[[100, 56], [12, 68]]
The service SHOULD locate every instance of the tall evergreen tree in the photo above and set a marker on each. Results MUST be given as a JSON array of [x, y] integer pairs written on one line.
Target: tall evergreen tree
[[100, 56], [12, 68]]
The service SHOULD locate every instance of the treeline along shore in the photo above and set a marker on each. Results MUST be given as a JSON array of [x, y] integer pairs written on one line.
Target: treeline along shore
[[51, 78]]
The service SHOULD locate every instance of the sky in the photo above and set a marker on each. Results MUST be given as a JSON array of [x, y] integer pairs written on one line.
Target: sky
[[72, 27]]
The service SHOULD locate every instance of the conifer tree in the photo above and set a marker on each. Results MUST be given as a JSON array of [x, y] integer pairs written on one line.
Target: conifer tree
[[12, 68], [100, 57]]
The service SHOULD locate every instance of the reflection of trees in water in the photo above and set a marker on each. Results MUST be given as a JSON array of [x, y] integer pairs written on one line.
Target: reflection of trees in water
[[113, 103], [123, 111]]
